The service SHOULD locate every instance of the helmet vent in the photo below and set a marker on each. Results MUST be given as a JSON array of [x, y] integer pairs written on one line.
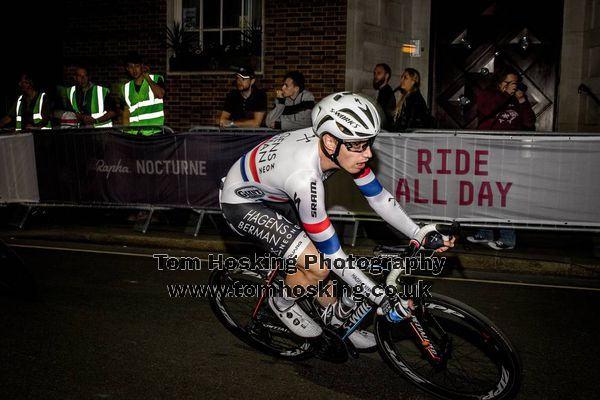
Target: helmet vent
[[355, 116], [323, 120]]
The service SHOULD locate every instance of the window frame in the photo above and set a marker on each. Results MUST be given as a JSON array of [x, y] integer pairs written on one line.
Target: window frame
[[175, 15]]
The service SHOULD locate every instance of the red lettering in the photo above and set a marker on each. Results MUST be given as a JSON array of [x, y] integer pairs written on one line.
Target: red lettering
[[466, 158], [485, 193], [424, 160], [417, 199], [503, 192], [403, 190], [435, 194], [444, 153], [479, 161], [466, 193]]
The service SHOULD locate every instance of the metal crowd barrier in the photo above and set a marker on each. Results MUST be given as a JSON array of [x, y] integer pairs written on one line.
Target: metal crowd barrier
[[354, 218]]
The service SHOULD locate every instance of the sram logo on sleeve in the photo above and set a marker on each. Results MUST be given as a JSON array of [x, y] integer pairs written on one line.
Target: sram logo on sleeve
[[249, 192], [313, 199]]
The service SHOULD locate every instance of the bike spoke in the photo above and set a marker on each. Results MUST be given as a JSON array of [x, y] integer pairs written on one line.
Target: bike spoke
[[264, 330], [473, 363]]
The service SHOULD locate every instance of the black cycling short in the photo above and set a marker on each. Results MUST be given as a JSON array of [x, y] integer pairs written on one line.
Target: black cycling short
[[274, 226]]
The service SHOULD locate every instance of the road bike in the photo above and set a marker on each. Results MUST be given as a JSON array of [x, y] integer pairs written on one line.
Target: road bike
[[446, 348]]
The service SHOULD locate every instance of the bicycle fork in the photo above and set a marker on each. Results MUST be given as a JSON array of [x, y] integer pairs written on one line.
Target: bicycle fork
[[436, 351]]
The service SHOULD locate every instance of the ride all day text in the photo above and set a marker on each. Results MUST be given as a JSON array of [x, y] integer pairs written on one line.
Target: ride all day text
[[453, 162]]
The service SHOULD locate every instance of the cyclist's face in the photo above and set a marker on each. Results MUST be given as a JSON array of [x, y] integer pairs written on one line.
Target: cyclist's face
[[355, 158]]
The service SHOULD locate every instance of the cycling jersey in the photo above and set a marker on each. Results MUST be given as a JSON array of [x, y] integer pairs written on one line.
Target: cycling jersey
[[286, 168]]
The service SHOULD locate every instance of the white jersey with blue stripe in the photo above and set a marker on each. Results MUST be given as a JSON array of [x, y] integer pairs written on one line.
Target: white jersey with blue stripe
[[286, 167]]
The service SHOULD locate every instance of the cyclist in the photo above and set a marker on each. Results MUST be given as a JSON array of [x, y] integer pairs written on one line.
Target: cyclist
[[281, 179]]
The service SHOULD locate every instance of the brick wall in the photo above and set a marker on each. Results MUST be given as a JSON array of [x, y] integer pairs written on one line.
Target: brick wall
[[100, 33], [309, 36]]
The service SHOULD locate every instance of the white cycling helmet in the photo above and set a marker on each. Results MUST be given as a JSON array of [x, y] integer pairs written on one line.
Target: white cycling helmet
[[347, 116]]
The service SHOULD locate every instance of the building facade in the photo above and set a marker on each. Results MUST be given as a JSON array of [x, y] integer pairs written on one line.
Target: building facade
[[334, 43]]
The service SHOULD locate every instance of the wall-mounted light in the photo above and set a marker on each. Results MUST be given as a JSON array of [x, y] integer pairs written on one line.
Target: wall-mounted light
[[413, 48]]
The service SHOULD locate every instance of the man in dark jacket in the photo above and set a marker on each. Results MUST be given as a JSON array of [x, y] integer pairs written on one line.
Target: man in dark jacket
[[385, 94]]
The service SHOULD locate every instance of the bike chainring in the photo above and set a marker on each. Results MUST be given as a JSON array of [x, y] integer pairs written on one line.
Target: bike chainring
[[330, 347]]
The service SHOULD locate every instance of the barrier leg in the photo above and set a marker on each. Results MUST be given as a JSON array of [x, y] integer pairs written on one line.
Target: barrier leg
[[19, 218], [145, 224], [148, 220], [195, 222], [199, 223], [355, 233]]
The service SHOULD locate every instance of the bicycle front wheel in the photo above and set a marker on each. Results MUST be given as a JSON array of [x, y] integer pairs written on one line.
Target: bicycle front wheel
[[476, 360]]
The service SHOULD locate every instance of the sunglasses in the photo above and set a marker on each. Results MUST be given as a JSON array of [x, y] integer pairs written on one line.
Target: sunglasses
[[359, 147]]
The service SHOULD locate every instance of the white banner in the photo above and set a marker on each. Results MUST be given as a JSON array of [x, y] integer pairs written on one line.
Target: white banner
[[18, 177], [494, 178]]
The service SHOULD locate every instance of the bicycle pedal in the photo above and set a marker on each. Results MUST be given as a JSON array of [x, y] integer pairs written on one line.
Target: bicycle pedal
[[330, 347], [353, 351]]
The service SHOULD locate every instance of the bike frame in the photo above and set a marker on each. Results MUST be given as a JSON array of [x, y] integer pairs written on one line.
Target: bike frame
[[435, 355]]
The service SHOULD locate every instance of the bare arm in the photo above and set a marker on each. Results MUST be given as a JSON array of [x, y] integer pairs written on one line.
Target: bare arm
[[225, 120], [275, 114], [125, 116], [251, 122], [158, 91], [5, 121]]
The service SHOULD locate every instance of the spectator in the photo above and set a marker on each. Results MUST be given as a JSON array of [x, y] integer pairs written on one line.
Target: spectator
[[385, 94], [411, 110], [503, 107], [142, 96], [32, 108], [91, 103], [246, 105], [293, 104]]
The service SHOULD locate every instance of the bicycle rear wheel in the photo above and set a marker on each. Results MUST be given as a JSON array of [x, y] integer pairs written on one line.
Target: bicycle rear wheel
[[478, 361], [265, 331]]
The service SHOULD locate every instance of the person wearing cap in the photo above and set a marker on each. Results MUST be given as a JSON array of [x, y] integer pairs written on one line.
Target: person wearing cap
[[32, 108], [245, 106], [91, 103], [142, 97], [293, 104]]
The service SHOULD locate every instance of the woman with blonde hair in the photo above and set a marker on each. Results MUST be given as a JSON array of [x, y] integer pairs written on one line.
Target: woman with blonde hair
[[411, 109]]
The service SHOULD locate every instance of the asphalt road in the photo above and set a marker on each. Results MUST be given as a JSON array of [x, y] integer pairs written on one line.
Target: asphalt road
[[104, 327]]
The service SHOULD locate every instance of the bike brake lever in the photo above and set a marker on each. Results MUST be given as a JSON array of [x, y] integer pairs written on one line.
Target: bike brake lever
[[448, 230]]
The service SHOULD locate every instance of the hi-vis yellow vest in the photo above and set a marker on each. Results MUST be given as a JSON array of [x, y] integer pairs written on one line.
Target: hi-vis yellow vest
[[99, 93], [37, 112], [144, 108]]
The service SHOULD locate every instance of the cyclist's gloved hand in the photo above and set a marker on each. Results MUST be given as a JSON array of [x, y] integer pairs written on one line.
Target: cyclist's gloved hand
[[400, 311], [396, 310], [435, 237]]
